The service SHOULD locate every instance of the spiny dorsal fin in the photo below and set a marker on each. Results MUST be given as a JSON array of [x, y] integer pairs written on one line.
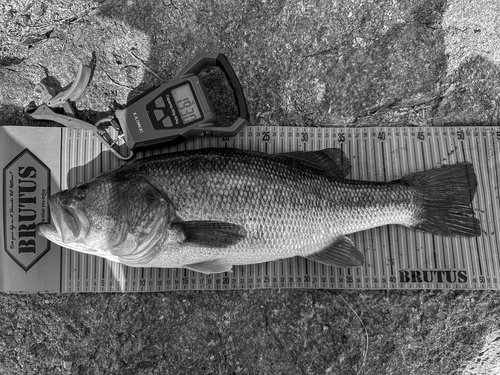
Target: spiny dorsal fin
[[341, 252], [333, 161]]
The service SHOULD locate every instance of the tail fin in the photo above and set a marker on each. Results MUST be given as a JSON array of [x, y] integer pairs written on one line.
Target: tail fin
[[446, 195]]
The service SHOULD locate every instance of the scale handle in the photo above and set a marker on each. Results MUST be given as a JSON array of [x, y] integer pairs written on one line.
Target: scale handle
[[203, 60]]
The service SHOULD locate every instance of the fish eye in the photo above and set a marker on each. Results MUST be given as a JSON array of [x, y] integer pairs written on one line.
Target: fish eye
[[81, 191]]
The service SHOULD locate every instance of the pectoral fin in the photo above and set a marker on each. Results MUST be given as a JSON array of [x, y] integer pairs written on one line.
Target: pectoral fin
[[341, 252], [210, 233], [212, 266]]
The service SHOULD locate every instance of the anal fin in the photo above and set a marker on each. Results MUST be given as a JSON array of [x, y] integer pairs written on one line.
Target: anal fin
[[341, 252], [211, 266]]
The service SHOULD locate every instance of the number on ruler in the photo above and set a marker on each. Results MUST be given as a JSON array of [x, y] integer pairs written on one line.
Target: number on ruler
[[421, 136], [304, 136], [265, 137], [381, 136], [341, 137]]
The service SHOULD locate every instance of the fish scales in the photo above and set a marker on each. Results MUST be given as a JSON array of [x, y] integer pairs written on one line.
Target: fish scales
[[223, 207], [287, 209]]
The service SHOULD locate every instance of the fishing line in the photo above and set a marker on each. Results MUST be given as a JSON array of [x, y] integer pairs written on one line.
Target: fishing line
[[365, 355]]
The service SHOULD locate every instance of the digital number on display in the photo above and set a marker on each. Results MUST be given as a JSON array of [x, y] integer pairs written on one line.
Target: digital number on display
[[186, 104]]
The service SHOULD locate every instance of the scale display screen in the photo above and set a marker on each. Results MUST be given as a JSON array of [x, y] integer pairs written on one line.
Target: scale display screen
[[186, 103]]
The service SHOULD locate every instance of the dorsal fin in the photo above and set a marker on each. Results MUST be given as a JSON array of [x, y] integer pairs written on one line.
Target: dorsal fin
[[333, 161]]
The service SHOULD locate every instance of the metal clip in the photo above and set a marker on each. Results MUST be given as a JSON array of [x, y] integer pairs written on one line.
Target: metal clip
[[68, 118], [104, 137]]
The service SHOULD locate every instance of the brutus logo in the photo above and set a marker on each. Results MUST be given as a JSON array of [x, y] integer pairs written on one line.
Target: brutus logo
[[433, 276], [26, 190]]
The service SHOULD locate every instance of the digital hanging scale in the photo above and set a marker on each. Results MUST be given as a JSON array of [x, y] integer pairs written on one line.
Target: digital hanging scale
[[172, 112]]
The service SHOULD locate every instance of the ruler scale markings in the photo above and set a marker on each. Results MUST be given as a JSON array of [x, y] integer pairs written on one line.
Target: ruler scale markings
[[103, 282], [115, 280], [149, 282], [103, 268], [88, 272], [469, 156], [303, 264], [432, 162], [364, 175], [473, 259], [437, 241], [391, 230], [482, 198], [495, 183], [402, 248], [428, 256], [411, 237], [297, 278], [458, 255], [123, 272], [421, 161], [378, 233], [346, 150], [355, 168], [404, 255], [375, 176], [394, 233], [442, 242], [409, 234], [168, 279], [464, 250], [420, 166], [393, 154], [382, 238], [483, 211], [114, 277], [158, 287], [492, 211], [373, 239], [448, 255], [322, 276], [163, 278], [70, 283], [131, 275], [359, 173], [283, 275]]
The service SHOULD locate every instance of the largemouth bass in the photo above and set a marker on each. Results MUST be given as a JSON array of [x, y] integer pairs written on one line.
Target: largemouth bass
[[210, 209]]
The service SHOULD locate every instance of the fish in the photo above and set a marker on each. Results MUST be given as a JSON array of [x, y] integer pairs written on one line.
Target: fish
[[210, 209]]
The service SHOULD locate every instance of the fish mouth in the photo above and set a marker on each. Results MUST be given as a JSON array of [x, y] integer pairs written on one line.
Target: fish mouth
[[66, 224]]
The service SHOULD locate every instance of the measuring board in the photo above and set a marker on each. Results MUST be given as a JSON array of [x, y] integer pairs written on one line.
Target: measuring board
[[396, 257]]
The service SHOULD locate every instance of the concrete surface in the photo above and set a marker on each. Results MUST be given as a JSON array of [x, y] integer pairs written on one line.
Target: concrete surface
[[312, 63]]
